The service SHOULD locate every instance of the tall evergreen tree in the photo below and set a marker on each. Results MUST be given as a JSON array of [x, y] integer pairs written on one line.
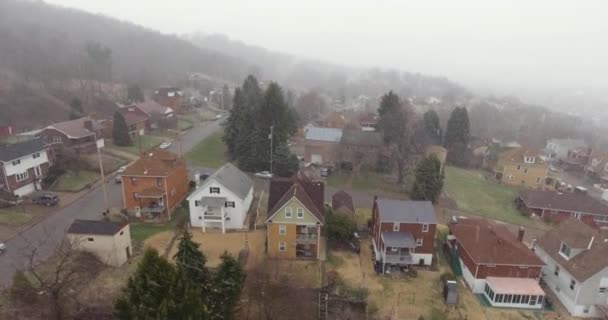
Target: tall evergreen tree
[[191, 261], [285, 163], [396, 123], [429, 180], [227, 283], [457, 135], [120, 131], [76, 110], [226, 98], [432, 126]]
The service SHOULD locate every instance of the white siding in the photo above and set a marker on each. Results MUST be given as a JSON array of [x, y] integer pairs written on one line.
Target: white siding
[[111, 250], [476, 285], [428, 258], [26, 163]]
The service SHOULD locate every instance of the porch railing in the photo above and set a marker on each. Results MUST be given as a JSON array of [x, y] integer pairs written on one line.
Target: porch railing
[[306, 238], [397, 258]]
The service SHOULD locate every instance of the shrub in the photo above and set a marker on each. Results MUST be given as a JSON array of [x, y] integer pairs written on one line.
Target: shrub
[[340, 227], [447, 276]]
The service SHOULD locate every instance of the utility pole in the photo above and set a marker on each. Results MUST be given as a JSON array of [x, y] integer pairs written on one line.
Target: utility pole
[[271, 138], [103, 178], [179, 139]]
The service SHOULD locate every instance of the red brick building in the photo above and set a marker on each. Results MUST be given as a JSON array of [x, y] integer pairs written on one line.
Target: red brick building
[[154, 185], [495, 262], [82, 135], [557, 207], [403, 232], [170, 97]]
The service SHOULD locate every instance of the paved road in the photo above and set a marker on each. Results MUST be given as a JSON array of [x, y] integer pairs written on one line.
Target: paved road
[[46, 235]]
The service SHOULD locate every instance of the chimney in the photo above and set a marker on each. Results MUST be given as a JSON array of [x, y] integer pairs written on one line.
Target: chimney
[[88, 124], [520, 234]]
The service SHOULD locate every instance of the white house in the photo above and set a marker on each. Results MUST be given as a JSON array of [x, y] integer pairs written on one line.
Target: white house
[[222, 200], [23, 165], [109, 241], [576, 258], [557, 149]]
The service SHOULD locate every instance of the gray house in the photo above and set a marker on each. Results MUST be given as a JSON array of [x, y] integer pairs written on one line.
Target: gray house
[[576, 258]]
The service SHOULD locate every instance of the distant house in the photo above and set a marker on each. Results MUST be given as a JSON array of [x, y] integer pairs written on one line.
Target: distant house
[[222, 201], [170, 97], [342, 202], [576, 258], [157, 115], [334, 120], [23, 165], [82, 135], [597, 167], [576, 159], [320, 144], [361, 148], [296, 215], [137, 120], [368, 121], [109, 241], [557, 149], [495, 263], [557, 206], [154, 185], [521, 167], [403, 232], [7, 130]]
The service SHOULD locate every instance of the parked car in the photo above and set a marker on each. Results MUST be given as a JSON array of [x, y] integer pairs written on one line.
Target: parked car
[[218, 116], [325, 172], [165, 145], [2, 248], [46, 199], [117, 177], [264, 175]]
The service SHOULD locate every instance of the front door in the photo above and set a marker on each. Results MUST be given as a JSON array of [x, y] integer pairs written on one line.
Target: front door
[[128, 253]]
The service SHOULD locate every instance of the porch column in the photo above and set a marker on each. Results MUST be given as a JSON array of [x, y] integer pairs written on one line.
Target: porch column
[[319, 241], [204, 219], [222, 212]]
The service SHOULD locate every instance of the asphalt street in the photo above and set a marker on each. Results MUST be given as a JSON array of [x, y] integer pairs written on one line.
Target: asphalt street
[[45, 236]]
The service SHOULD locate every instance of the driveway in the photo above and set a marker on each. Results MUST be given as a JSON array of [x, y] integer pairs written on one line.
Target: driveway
[[46, 235]]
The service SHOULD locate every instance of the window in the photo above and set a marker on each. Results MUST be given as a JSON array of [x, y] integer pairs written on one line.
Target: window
[[173, 192], [425, 227], [197, 203], [230, 204], [90, 239], [517, 298], [37, 171], [508, 298], [572, 284], [499, 298], [419, 242], [540, 300], [133, 180], [287, 212], [491, 266], [525, 170], [300, 213], [603, 290], [135, 195], [396, 227], [36, 155], [538, 180], [518, 167], [200, 217], [21, 176], [553, 211], [556, 271], [159, 182], [57, 139], [532, 300], [214, 190], [525, 299], [122, 232], [282, 246], [565, 250], [282, 229], [600, 218], [16, 162]]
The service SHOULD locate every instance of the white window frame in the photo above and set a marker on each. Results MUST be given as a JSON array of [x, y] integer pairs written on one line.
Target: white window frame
[[16, 162], [21, 176], [213, 190], [561, 252], [282, 246], [37, 171], [300, 213], [396, 226], [288, 213], [57, 139], [425, 227], [282, 229], [419, 242], [572, 285]]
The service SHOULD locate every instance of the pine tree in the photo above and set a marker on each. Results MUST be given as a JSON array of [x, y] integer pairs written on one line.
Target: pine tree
[[429, 180], [76, 110], [396, 124], [226, 98], [457, 134], [240, 125], [191, 261], [432, 126], [285, 163], [120, 131], [227, 284]]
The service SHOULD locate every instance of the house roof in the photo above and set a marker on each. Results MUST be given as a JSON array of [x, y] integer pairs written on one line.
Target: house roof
[[577, 234], [214, 201], [155, 163], [398, 239], [18, 150], [231, 178], [569, 201], [297, 191], [342, 199], [75, 129], [522, 286], [490, 243], [361, 138], [97, 227], [151, 107], [406, 211], [133, 118], [516, 155], [323, 134], [314, 189], [164, 91]]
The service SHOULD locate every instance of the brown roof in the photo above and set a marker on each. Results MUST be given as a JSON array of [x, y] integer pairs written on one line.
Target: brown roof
[[151, 107], [342, 199], [361, 138], [312, 194], [577, 234], [75, 129], [155, 163], [569, 201], [133, 118], [516, 155], [490, 243]]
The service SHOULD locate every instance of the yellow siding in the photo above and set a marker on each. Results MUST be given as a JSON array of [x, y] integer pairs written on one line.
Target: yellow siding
[[528, 175], [274, 238]]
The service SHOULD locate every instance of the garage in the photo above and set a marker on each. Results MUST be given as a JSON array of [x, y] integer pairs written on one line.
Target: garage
[[25, 190], [316, 158]]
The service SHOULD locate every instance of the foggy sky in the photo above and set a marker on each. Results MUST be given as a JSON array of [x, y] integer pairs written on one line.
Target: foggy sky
[[481, 43]]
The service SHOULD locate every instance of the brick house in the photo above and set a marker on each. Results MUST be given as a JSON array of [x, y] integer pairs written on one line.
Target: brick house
[[82, 135], [321, 144], [137, 120], [296, 216], [361, 148], [170, 97], [403, 232], [556, 206], [368, 121], [495, 263], [154, 185], [157, 115], [23, 165], [521, 167]]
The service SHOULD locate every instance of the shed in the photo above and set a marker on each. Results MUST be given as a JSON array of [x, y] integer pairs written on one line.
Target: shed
[[450, 292]]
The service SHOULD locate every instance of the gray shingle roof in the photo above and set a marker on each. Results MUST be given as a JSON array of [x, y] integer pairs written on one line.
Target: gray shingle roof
[[406, 211], [98, 227], [234, 179], [18, 150], [399, 239], [323, 134]]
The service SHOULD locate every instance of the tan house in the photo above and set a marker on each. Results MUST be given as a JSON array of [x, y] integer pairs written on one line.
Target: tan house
[[295, 219], [521, 167], [109, 241]]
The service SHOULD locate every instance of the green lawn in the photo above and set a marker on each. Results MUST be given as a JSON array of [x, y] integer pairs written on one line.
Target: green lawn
[[14, 217], [210, 152], [142, 143], [185, 123], [364, 181], [473, 193], [74, 182]]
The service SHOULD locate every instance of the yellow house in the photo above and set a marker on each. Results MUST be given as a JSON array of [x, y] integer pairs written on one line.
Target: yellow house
[[293, 227], [521, 167]]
